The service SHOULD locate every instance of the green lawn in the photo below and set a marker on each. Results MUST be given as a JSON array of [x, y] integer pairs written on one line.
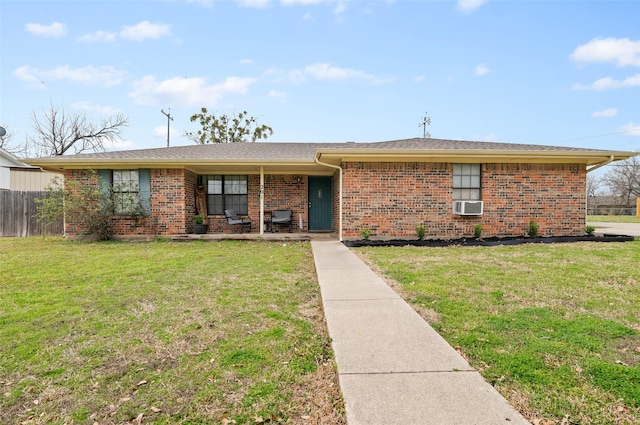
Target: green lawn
[[229, 332], [612, 219], [555, 328]]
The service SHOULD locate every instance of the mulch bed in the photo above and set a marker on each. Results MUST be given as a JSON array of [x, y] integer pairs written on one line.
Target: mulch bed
[[492, 241]]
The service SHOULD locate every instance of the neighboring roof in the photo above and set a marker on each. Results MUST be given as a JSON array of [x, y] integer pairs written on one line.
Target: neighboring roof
[[301, 157], [9, 160]]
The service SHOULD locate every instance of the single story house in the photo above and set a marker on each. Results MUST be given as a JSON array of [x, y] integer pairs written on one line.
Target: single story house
[[388, 188]]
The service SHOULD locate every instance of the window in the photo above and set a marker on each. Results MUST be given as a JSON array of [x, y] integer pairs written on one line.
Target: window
[[130, 190], [466, 182], [226, 193], [126, 190]]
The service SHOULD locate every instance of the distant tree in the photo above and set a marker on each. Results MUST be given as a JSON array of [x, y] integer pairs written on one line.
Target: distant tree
[[594, 186], [6, 143], [623, 181], [225, 129], [58, 132]]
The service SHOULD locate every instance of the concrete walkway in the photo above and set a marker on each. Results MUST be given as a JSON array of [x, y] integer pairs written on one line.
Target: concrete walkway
[[629, 229], [393, 367]]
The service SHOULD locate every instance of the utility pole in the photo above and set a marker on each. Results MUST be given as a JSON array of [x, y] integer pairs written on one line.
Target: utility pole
[[169, 118], [426, 121]]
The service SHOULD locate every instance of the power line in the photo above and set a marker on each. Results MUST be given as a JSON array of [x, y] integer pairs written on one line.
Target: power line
[[633, 130]]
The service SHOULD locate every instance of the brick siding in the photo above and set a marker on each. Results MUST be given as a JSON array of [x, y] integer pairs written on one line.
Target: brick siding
[[391, 199]]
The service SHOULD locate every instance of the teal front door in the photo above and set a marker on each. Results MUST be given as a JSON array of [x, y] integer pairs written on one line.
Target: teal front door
[[320, 204]]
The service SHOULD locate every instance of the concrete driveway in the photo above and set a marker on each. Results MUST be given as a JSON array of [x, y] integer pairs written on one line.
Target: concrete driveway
[[628, 229]]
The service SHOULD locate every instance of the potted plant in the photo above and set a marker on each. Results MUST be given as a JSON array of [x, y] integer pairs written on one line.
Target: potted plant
[[200, 227]]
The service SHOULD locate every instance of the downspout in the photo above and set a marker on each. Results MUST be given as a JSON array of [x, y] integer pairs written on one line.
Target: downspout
[[337, 167], [602, 164]]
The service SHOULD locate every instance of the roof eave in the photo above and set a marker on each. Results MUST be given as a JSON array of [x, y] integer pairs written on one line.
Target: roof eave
[[483, 156]]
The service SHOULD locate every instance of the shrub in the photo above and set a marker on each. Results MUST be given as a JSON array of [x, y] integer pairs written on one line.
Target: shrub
[[533, 229], [91, 207], [365, 233], [198, 219], [420, 231], [477, 231], [590, 230]]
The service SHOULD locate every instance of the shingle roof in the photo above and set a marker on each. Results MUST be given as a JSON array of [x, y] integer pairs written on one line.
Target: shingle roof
[[456, 145], [304, 154], [307, 151]]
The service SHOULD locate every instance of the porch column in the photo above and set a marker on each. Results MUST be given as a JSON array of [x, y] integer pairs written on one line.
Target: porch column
[[262, 200]]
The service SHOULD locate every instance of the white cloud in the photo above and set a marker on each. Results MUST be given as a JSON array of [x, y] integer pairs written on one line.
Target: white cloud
[[205, 3], [605, 113], [482, 70], [145, 30], [90, 75], [609, 83], [186, 91], [292, 2], [246, 61], [98, 36], [339, 9], [277, 94], [621, 51], [258, 4], [307, 17], [160, 133], [55, 30], [141, 31], [468, 6], [95, 108], [631, 128], [120, 145], [419, 79], [326, 72]]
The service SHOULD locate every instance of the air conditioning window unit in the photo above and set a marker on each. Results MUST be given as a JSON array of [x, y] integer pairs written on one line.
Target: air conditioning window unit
[[468, 207]]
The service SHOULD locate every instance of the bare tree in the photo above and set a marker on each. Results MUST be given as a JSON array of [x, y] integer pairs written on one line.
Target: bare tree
[[58, 132], [623, 181], [6, 144], [594, 186]]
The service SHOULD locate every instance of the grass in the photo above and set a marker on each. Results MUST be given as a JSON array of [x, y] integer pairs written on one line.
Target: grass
[[613, 219], [555, 328], [229, 332]]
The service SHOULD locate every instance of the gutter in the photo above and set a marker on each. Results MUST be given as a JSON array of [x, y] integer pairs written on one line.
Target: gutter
[[601, 164], [337, 167]]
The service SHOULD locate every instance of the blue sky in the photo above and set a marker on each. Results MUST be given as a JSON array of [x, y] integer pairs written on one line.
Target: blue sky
[[563, 73]]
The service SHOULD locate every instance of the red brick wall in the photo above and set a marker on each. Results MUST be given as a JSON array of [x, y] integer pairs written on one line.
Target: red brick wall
[[172, 204], [391, 199]]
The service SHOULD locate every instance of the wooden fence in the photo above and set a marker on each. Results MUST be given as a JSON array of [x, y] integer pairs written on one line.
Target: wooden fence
[[18, 218]]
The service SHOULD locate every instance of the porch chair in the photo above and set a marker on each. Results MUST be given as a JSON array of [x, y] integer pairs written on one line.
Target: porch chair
[[282, 217], [233, 219]]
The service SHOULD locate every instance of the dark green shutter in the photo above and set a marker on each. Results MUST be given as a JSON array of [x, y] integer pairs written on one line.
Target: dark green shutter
[[144, 175], [104, 184], [104, 181]]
